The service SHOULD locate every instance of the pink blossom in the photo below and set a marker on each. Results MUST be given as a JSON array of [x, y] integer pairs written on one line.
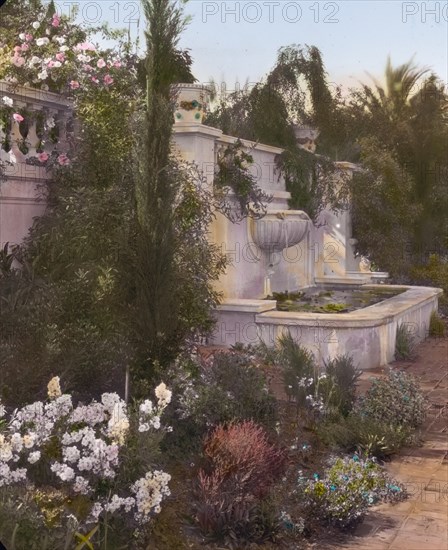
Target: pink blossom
[[63, 160], [25, 47], [108, 80], [95, 80], [50, 64], [84, 46], [87, 68], [18, 61], [117, 64], [74, 84], [17, 49], [43, 157], [17, 117], [101, 63], [60, 56], [28, 37], [56, 20]]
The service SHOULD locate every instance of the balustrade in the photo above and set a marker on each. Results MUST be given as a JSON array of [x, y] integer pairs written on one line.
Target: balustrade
[[46, 128]]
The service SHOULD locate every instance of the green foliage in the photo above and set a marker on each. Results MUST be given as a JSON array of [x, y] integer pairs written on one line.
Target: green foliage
[[298, 368], [233, 173], [401, 135], [382, 208], [437, 327], [347, 488], [174, 263], [311, 180], [295, 90], [115, 273], [404, 343], [434, 272], [395, 399], [369, 437], [338, 389], [382, 421], [232, 387]]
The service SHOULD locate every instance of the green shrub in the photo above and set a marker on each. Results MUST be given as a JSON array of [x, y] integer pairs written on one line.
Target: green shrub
[[228, 386], [404, 343], [347, 488], [368, 437], [437, 326], [434, 273], [394, 400], [298, 367], [338, 388]]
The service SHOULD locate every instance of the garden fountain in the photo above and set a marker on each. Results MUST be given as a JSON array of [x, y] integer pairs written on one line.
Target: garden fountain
[[285, 251], [282, 251]]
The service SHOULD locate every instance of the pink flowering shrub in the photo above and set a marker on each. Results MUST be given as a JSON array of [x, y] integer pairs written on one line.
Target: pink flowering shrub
[[87, 453], [54, 54]]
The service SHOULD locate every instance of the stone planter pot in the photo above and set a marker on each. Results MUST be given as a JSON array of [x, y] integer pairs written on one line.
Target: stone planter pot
[[191, 102]]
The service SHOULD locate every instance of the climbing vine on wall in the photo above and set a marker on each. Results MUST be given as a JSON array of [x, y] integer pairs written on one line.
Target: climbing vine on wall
[[233, 174]]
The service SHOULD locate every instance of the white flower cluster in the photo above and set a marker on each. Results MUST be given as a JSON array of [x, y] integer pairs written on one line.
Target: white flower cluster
[[315, 403], [305, 382], [149, 492], [150, 415], [89, 437]]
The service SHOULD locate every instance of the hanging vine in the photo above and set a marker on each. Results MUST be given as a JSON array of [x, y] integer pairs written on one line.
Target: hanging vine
[[233, 174]]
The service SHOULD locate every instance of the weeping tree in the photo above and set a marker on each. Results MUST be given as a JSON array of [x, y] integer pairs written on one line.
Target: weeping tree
[[174, 264], [296, 91]]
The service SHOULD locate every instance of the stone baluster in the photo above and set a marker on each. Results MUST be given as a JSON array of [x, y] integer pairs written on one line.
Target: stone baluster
[[32, 138], [49, 113]]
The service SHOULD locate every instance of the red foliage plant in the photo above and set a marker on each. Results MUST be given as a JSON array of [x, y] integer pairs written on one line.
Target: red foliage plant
[[243, 466]]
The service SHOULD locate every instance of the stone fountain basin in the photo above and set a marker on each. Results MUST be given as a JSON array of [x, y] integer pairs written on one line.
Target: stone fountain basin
[[280, 229], [367, 334]]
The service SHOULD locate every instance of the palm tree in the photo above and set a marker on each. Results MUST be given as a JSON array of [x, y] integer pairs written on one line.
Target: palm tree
[[400, 87]]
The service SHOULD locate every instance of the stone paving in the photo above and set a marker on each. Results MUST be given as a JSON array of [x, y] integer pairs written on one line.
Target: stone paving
[[420, 522]]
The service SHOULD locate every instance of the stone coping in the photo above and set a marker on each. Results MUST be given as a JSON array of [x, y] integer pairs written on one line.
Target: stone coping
[[358, 278], [248, 306], [33, 95], [378, 314], [209, 131], [281, 195]]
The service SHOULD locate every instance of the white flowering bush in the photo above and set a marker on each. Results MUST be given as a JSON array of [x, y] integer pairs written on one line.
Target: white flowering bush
[[90, 453]]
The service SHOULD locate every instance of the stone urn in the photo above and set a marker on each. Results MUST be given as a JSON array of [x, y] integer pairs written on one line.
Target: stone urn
[[192, 102], [306, 137]]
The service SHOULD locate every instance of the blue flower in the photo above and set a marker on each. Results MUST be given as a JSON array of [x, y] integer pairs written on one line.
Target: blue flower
[[332, 487], [316, 476], [356, 458]]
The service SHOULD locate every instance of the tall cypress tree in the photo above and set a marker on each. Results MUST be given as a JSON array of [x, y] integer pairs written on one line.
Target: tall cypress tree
[[160, 320]]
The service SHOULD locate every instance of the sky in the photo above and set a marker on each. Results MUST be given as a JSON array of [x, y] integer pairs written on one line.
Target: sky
[[237, 41]]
